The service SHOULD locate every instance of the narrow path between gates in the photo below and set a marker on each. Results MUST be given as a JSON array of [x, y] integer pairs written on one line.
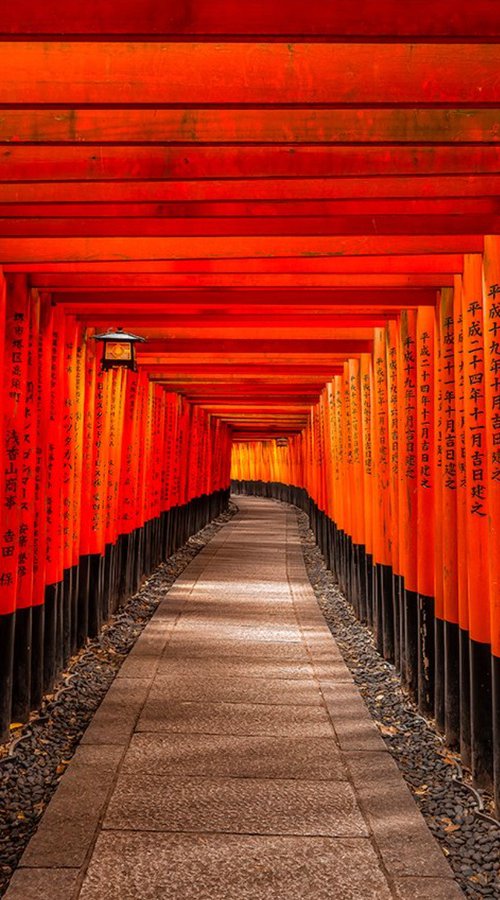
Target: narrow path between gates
[[233, 756]]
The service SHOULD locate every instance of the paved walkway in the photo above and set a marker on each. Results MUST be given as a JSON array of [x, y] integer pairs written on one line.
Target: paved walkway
[[233, 757]]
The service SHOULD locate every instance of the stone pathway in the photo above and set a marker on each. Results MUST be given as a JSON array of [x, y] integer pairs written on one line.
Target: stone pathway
[[233, 757]]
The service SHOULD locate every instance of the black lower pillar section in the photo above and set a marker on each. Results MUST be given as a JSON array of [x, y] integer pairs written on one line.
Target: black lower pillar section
[[95, 593], [362, 582], [495, 672], [107, 582], [464, 663], [82, 612], [378, 621], [60, 626], [386, 595], [400, 596], [440, 675], [66, 615], [396, 617], [481, 718], [21, 676], [426, 643], [75, 578], [50, 635], [410, 602], [37, 652], [370, 569], [452, 684], [7, 625]]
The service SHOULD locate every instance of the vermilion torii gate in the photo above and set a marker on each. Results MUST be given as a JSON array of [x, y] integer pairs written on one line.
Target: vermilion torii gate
[[298, 205]]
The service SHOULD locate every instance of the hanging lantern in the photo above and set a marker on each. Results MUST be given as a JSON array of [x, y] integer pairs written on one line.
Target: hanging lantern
[[118, 349], [282, 442]]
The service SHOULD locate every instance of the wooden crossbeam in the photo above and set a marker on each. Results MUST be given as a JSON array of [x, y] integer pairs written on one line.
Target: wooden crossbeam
[[128, 73], [34, 250], [448, 18], [112, 162], [252, 225], [246, 126], [317, 187]]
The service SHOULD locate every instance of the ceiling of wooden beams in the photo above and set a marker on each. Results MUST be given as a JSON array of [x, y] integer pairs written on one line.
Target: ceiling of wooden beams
[[253, 186]]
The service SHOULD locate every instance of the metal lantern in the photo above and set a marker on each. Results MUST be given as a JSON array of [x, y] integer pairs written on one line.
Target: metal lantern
[[118, 349]]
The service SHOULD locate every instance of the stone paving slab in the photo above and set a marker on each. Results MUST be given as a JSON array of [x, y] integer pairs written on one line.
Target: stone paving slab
[[115, 720], [406, 845], [233, 757], [235, 633], [230, 755], [183, 647], [73, 815], [217, 688], [234, 806], [233, 668], [44, 884], [148, 866], [234, 718]]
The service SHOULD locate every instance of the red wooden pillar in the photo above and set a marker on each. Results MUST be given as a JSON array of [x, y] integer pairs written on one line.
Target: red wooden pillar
[[426, 498], [21, 700], [15, 326], [408, 490], [492, 410], [462, 575], [446, 513], [476, 520]]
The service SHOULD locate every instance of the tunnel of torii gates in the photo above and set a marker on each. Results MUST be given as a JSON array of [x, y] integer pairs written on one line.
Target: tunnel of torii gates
[[298, 205]]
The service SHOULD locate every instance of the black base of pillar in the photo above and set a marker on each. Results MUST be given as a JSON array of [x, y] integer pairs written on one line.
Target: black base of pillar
[[50, 665], [82, 612], [21, 676], [96, 567], [37, 654], [440, 675], [481, 718], [495, 680], [425, 696], [452, 697], [410, 602], [465, 732], [7, 629]]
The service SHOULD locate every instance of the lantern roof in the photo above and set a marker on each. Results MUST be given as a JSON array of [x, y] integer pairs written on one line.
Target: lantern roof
[[118, 335]]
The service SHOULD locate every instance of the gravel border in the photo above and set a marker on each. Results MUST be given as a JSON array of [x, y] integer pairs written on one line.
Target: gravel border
[[32, 764], [453, 810]]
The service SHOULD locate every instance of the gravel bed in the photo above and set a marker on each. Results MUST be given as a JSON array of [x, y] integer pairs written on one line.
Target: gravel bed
[[440, 786], [39, 752]]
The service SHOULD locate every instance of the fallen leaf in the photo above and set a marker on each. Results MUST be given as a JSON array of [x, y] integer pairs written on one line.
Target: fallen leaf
[[388, 729], [451, 827]]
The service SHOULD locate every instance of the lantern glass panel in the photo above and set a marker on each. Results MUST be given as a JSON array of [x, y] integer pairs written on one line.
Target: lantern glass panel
[[117, 351]]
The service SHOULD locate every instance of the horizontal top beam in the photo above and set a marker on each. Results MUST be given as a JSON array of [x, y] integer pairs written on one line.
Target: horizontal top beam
[[246, 126], [249, 74], [482, 223], [456, 206], [158, 274], [249, 346], [40, 249], [342, 18], [224, 189], [110, 162], [162, 302]]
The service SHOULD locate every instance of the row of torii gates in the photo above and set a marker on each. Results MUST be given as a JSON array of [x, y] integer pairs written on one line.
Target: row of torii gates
[[298, 206]]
